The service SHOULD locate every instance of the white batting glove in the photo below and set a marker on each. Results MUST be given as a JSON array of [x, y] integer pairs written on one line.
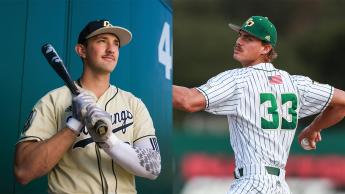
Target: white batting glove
[[95, 114], [79, 105]]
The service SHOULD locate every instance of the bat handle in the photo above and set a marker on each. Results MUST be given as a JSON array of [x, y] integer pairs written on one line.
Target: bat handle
[[101, 127]]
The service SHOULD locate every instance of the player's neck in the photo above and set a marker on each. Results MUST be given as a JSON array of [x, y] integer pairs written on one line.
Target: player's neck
[[98, 84]]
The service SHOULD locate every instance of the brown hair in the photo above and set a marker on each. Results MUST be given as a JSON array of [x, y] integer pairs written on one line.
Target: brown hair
[[272, 55]]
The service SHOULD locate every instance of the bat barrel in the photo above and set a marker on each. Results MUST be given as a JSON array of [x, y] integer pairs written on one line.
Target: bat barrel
[[57, 64]]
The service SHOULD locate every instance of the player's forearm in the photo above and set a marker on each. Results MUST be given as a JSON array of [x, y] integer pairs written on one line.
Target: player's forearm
[[142, 162], [187, 99], [329, 117], [179, 97], [334, 113], [35, 159]]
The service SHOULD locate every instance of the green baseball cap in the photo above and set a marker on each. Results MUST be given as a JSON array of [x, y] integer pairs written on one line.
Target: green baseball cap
[[260, 27]]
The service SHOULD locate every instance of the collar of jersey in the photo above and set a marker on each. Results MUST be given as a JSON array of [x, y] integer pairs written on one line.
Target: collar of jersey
[[108, 94], [264, 66]]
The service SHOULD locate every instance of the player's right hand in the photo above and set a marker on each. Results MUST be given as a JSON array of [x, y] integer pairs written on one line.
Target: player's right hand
[[308, 138], [79, 106]]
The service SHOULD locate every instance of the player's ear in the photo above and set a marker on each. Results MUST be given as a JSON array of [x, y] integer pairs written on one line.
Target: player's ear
[[266, 48], [80, 50]]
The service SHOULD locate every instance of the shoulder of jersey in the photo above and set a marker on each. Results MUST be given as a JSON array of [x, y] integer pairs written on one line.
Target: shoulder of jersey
[[61, 94], [238, 72], [63, 90], [229, 72]]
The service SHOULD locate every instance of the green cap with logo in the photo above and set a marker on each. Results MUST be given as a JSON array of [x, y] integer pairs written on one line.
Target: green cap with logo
[[260, 27]]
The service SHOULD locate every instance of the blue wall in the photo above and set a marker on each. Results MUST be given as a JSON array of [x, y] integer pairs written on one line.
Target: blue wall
[[25, 75]]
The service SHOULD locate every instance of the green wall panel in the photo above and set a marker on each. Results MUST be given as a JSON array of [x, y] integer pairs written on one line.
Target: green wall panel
[[152, 82], [45, 23], [12, 54]]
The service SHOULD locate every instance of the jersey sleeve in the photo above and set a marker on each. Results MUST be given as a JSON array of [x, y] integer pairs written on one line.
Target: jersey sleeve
[[218, 92], [143, 125], [314, 96], [41, 123]]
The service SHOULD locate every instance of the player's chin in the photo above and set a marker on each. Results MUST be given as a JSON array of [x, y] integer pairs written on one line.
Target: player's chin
[[238, 57], [110, 70], [109, 66], [106, 69], [235, 56]]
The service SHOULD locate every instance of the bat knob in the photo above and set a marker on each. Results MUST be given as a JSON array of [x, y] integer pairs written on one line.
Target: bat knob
[[101, 127]]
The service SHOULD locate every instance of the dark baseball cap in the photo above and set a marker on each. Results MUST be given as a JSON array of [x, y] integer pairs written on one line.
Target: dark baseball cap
[[259, 27], [97, 27]]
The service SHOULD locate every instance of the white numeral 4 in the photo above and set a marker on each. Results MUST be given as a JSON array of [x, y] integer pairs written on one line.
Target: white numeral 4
[[164, 54]]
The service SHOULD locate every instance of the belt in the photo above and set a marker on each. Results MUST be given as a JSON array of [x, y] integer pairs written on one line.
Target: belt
[[270, 170]]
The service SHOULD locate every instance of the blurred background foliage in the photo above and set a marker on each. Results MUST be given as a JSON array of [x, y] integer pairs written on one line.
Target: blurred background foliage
[[311, 42]]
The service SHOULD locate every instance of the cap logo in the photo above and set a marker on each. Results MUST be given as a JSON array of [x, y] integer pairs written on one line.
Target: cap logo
[[268, 38], [249, 22], [107, 24]]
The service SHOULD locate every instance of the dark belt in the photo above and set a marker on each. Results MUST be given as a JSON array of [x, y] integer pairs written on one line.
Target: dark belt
[[270, 170]]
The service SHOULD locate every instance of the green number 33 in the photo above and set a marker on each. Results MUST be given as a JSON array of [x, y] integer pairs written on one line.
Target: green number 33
[[273, 111]]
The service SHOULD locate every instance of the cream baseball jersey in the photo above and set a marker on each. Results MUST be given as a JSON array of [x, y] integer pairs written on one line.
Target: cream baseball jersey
[[263, 105], [85, 168]]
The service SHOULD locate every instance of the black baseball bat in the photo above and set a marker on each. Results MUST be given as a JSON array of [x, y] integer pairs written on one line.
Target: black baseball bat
[[57, 64], [59, 67]]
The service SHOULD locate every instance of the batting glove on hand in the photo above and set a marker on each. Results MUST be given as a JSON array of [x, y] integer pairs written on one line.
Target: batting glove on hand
[[94, 115], [79, 105]]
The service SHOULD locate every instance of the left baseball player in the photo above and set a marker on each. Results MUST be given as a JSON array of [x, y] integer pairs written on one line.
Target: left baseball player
[[58, 138]]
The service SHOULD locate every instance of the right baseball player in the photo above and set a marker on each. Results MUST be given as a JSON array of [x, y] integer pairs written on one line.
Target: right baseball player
[[59, 138], [263, 105]]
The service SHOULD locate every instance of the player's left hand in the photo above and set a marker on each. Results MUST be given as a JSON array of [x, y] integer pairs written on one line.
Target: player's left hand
[[312, 137], [94, 114]]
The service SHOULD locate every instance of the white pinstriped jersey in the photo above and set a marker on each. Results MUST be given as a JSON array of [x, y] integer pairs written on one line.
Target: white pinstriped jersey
[[263, 105]]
